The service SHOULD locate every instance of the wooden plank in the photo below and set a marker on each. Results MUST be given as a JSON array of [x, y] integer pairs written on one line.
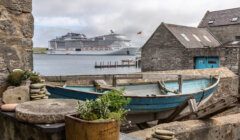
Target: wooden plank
[[216, 108], [193, 105], [107, 87], [210, 110], [177, 111]]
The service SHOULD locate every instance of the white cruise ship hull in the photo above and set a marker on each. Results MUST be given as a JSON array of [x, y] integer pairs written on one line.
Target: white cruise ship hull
[[123, 51]]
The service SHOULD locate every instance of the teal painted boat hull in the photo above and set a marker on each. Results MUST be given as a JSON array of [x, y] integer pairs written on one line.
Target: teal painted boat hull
[[139, 103]]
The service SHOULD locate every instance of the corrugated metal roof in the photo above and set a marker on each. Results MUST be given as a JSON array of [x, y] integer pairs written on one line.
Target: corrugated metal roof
[[221, 18], [192, 37]]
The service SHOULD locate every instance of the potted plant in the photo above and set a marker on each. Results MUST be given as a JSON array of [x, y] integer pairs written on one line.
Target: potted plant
[[98, 119]]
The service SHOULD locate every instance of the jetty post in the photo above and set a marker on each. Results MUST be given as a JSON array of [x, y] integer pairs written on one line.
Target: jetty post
[[114, 81], [180, 82]]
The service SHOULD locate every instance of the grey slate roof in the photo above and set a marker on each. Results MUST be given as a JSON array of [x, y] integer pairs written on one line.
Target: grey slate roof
[[220, 18], [196, 37]]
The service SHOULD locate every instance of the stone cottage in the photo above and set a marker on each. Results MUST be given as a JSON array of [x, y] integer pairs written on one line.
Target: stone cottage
[[173, 47], [223, 24]]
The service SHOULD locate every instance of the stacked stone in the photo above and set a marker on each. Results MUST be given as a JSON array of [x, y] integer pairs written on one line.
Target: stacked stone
[[162, 135], [38, 91]]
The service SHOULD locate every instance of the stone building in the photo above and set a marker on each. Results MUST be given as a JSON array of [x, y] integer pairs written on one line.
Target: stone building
[[173, 47], [223, 24], [16, 32]]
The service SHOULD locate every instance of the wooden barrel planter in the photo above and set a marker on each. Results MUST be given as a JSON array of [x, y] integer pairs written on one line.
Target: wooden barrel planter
[[77, 129]]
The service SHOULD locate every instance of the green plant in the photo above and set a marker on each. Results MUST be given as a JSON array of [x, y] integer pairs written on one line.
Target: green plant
[[108, 106], [35, 79], [17, 76]]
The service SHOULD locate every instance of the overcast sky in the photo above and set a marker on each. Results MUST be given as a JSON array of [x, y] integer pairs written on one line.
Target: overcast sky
[[96, 17]]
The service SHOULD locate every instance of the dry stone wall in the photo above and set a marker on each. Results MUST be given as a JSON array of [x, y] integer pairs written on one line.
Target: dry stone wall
[[16, 32]]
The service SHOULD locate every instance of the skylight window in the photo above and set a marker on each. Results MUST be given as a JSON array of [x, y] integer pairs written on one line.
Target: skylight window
[[235, 42], [234, 19], [210, 21], [185, 37], [205, 37], [196, 37]]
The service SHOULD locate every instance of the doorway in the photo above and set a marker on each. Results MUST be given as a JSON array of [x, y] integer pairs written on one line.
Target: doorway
[[204, 62]]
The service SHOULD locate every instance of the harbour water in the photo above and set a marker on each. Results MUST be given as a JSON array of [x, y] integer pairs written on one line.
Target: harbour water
[[51, 65]]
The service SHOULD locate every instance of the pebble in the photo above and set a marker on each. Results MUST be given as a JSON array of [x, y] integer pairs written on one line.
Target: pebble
[[37, 86], [46, 97], [38, 91], [8, 107], [34, 99], [38, 96], [33, 91], [164, 132], [162, 137], [42, 92]]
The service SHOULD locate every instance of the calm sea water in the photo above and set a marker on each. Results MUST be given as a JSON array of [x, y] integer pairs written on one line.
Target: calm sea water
[[50, 65]]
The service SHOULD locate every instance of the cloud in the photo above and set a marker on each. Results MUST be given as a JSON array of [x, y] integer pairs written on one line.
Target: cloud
[[96, 17], [58, 22]]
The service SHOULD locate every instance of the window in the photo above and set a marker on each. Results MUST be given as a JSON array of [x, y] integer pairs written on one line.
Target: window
[[237, 37], [185, 37], [210, 21], [212, 62], [235, 42], [206, 38], [196, 37], [234, 19]]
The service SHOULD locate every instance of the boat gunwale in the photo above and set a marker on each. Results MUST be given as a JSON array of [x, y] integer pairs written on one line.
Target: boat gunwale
[[157, 96]]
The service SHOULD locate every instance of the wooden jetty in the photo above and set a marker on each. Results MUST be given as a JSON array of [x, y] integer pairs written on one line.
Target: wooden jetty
[[116, 64]]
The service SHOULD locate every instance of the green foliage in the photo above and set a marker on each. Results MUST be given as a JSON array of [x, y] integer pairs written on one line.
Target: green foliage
[[108, 106], [17, 76], [35, 79]]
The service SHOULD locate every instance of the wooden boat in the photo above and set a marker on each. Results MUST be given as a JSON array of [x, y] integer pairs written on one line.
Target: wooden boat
[[149, 107]]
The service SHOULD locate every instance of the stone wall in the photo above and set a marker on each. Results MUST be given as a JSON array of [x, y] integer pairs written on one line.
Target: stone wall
[[12, 129], [173, 56], [162, 52], [16, 32], [225, 33], [228, 56], [221, 128]]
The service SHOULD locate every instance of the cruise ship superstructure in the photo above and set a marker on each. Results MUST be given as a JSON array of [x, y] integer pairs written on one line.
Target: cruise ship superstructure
[[73, 43]]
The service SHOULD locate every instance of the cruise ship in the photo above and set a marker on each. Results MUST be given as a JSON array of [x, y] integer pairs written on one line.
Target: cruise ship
[[79, 44]]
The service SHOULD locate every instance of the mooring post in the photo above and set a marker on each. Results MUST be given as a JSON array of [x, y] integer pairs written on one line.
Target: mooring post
[[180, 81], [114, 80]]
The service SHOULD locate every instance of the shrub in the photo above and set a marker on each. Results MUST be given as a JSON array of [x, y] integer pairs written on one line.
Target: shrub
[[35, 79], [108, 106], [17, 76]]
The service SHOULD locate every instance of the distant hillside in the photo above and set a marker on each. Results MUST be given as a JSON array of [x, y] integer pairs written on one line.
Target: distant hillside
[[37, 50]]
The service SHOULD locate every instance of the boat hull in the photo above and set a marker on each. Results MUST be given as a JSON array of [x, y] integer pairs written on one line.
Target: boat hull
[[138, 103], [142, 108]]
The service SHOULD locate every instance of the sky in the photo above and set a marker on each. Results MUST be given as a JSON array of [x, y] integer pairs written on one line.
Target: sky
[[97, 17]]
